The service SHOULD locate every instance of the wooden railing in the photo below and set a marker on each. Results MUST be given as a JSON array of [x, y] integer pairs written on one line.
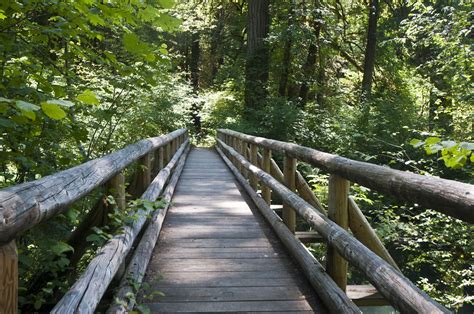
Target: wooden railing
[[363, 249], [26, 205]]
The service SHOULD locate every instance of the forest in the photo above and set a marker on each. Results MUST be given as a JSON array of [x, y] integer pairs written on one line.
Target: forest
[[389, 82]]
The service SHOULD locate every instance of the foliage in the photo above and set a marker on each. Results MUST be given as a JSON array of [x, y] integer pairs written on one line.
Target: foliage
[[454, 154]]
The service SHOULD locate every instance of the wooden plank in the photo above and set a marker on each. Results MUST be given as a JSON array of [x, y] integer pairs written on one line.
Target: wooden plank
[[218, 265], [336, 265], [266, 162], [289, 171], [218, 243], [85, 294], [254, 160], [220, 294], [307, 237], [26, 205], [222, 279], [212, 241], [243, 306], [212, 234], [365, 295], [447, 196], [9, 278], [401, 293]]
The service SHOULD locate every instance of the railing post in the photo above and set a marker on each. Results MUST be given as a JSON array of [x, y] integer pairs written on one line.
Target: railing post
[[158, 164], [173, 147], [236, 146], [167, 154], [266, 166], [116, 187], [144, 172], [336, 265], [9, 278], [289, 172], [254, 161], [244, 153]]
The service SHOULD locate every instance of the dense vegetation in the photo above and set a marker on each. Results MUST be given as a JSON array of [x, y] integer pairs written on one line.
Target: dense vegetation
[[388, 82]]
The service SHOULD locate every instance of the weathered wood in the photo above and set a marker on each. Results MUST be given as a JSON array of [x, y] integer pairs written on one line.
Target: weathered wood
[[336, 265], [116, 187], [301, 185], [123, 302], [447, 196], [334, 298], [87, 291], [158, 161], [396, 288], [173, 146], [254, 160], [308, 237], [8, 278], [266, 163], [233, 307], [168, 153], [289, 171], [208, 253], [24, 206], [362, 230], [144, 172], [365, 295]]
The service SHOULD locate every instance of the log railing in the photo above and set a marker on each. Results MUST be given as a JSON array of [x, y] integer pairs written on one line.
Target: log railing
[[362, 248], [26, 205]]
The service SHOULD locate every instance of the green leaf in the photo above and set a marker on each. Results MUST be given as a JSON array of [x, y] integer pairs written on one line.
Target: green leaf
[[432, 140], [61, 247], [472, 158], [88, 97], [61, 102], [166, 4], [29, 114], [130, 42], [26, 106], [2, 16], [416, 143], [6, 123], [53, 111]]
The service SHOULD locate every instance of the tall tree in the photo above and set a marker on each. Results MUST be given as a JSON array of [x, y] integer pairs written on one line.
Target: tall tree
[[257, 65], [313, 51], [285, 70], [369, 59]]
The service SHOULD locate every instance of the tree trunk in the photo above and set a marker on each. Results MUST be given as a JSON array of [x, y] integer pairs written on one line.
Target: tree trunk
[[194, 64], [369, 61], [216, 39], [256, 69], [285, 70], [311, 59]]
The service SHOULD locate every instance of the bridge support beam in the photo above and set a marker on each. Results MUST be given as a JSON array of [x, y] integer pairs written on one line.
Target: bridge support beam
[[289, 173], [336, 265], [266, 166], [9, 278], [254, 161]]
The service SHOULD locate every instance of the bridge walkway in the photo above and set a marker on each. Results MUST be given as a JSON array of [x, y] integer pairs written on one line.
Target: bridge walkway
[[216, 253]]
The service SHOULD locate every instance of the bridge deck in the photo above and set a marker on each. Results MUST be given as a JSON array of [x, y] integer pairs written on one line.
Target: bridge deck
[[216, 254]]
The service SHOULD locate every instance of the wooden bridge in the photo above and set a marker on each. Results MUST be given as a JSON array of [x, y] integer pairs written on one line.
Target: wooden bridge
[[218, 244]]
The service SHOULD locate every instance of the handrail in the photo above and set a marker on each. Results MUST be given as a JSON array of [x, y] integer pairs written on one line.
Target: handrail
[[329, 292], [87, 291], [26, 205], [450, 197], [402, 294]]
